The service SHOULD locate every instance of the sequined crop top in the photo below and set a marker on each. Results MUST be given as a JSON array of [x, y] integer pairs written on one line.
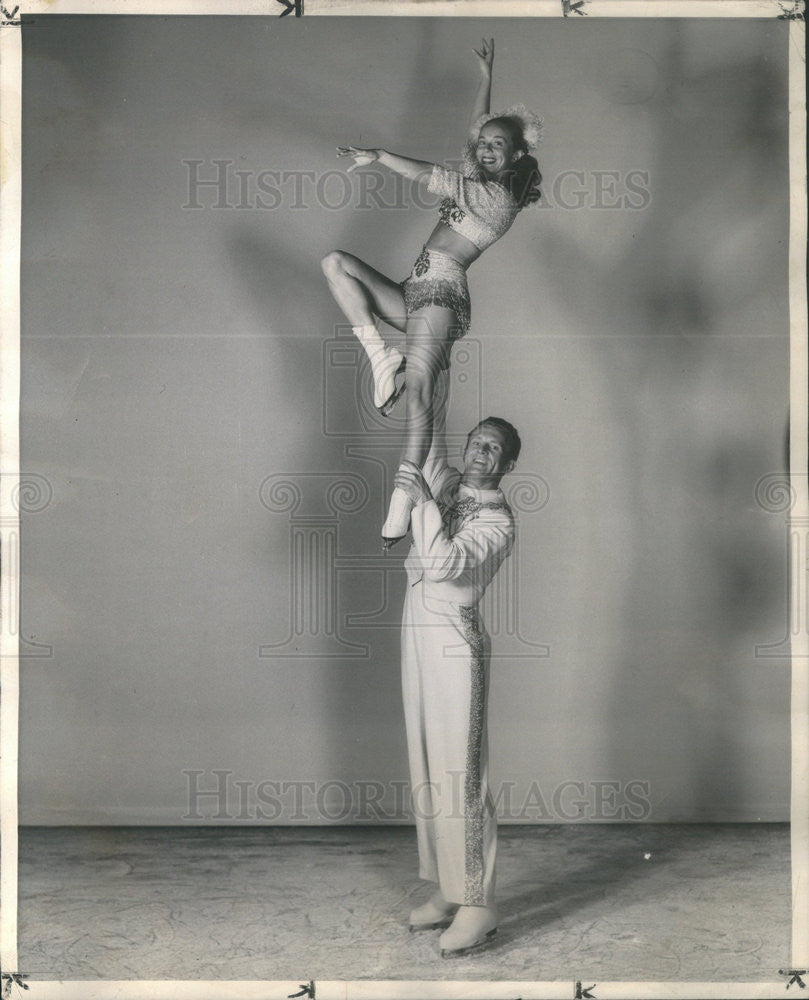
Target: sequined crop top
[[473, 207]]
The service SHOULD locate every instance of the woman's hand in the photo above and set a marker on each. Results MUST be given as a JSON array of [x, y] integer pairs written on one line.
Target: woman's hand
[[410, 478], [362, 157], [486, 55]]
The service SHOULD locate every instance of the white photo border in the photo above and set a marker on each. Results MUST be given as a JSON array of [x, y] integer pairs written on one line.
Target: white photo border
[[13, 978]]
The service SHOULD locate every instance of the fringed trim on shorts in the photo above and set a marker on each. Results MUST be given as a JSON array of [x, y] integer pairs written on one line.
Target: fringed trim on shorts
[[440, 280], [421, 292]]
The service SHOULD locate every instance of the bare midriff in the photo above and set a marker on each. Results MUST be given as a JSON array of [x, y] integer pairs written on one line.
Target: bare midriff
[[443, 239]]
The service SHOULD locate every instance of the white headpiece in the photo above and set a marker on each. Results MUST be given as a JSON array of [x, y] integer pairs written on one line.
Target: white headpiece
[[530, 123]]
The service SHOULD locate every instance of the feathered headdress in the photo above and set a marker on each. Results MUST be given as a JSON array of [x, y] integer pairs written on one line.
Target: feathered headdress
[[530, 123]]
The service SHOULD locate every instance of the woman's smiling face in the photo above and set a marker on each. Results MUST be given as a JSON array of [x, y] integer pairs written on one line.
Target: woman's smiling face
[[496, 149]]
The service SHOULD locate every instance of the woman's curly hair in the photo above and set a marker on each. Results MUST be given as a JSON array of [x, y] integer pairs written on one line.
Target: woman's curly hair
[[522, 179]]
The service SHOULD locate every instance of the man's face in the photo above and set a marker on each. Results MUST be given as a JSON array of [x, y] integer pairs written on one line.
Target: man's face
[[484, 457]]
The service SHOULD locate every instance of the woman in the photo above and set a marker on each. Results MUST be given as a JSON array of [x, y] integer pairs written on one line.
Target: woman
[[432, 307]]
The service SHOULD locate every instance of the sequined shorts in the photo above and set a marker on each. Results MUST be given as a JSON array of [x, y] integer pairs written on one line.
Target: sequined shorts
[[437, 279]]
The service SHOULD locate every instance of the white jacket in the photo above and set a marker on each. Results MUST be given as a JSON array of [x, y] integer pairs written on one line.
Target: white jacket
[[460, 538]]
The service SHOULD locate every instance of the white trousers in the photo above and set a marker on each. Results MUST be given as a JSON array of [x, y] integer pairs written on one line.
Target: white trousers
[[445, 681]]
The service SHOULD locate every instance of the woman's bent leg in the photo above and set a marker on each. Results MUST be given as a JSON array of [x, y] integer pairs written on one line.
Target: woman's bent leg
[[362, 293]]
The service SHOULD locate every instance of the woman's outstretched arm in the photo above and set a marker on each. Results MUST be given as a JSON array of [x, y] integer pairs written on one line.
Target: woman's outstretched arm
[[416, 170], [482, 104]]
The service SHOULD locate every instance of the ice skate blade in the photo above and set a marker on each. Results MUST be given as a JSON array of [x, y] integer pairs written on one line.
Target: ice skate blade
[[388, 543], [468, 949], [394, 397]]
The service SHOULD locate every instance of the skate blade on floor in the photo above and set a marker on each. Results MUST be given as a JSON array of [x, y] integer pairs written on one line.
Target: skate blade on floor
[[477, 946]]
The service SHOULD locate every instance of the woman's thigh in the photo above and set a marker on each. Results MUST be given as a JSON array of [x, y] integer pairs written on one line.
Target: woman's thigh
[[431, 331], [387, 300]]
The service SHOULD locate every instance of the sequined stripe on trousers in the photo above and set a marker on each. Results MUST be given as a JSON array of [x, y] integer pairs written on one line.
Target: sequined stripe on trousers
[[473, 801]]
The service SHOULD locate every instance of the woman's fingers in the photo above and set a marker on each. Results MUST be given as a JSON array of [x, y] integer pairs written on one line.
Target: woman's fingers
[[486, 51], [362, 157], [367, 154]]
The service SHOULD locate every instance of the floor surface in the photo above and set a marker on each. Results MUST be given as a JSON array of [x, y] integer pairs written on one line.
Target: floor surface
[[578, 902]]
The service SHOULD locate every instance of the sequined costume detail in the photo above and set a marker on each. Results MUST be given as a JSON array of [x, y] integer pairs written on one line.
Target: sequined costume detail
[[456, 513], [474, 804], [437, 279], [479, 209], [449, 211]]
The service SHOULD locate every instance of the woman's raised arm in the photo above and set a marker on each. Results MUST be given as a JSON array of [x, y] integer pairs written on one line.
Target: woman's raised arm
[[483, 97]]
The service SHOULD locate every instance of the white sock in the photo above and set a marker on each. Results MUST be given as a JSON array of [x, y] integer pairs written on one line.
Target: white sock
[[384, 362], [370, 339]]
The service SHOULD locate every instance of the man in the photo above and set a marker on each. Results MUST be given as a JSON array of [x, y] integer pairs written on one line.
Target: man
[[462, 531]]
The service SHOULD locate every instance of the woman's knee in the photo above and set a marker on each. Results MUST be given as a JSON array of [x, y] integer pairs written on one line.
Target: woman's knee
[[421, 379], [334, 263]]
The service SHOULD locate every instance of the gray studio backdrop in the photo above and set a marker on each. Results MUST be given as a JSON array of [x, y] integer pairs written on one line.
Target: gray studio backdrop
[[205, 607]]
